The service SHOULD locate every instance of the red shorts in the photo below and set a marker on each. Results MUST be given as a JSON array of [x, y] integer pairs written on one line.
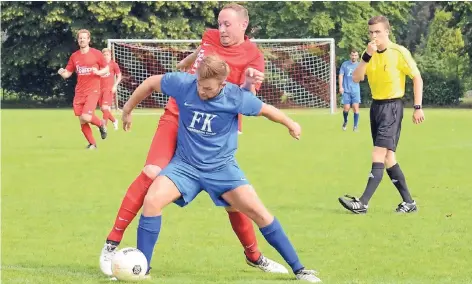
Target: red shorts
[[85, 104], [165, 141], [106, 98]]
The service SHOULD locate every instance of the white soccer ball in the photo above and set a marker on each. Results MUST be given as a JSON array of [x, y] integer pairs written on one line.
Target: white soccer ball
[[129, 264]]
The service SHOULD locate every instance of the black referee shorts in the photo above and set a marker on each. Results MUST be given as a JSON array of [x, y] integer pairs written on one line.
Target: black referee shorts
[[386, 122]]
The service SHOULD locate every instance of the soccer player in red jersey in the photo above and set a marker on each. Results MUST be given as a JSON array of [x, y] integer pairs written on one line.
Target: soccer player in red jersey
[[108, 87], [89, 64], [230, 44]]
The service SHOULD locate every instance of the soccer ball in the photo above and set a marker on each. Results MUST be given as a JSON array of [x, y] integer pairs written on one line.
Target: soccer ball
[[129, 264]]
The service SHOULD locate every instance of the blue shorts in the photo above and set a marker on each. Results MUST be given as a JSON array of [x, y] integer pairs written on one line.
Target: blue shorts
[[190, 181], [349, 99]]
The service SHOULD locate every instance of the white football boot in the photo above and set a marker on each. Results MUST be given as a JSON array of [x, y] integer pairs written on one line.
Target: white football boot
[[267, 265], [108, 251]]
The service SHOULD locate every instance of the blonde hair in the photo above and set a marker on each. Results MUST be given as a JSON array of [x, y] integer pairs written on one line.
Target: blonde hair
[[106, 50], [378, 20], [83, 31], [213, 67], [238, 9]]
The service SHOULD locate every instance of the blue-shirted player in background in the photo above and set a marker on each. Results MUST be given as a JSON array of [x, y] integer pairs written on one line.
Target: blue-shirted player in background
[[349, 89], [206, 144]]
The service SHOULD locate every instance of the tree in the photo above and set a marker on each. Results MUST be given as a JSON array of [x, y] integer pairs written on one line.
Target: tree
[[41, 35]]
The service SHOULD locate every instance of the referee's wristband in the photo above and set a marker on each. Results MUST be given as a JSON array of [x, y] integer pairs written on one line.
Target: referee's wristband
[[366, 57]]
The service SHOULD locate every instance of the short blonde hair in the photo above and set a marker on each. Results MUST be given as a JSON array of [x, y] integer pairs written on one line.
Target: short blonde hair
[[378, 20], [106, 49], [211, 67], [83, 31], [238, 9]]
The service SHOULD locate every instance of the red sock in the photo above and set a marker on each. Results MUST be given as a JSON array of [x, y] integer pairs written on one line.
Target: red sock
[[243, 228], [87, 131], [108, 115], [132, 202], [96, 121]]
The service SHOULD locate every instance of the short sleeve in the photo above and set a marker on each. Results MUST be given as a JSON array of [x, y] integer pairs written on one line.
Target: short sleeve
[[71, 64], [341, 69], [407, 64], [117, 68], [174, 84], [250, 104]]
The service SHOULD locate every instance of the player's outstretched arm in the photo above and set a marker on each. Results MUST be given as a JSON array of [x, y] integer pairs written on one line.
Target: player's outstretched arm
[[64, 73], [186, 64], [101, 72], [146, 88], [276, 115]]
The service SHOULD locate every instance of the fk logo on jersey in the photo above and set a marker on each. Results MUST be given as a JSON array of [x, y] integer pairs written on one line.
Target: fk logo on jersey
[[201, 123]]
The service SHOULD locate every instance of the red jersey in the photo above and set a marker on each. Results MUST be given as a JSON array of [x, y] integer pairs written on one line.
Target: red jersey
[[82, 64], [239, 58], [107, 80]]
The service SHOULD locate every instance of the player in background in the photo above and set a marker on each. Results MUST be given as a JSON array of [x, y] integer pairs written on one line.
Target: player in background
[[386, 65], [230, 43], [108, 87], [209, 109], [349, 89], [89, 64]]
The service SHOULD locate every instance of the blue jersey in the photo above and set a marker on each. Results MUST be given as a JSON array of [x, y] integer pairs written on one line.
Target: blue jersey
[[349, 86], [208, 129]]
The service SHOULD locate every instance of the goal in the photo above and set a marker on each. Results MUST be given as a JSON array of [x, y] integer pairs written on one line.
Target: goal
[[299, 73]]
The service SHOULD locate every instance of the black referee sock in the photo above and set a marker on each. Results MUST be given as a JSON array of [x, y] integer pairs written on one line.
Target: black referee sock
[[398, 179], [375, 178]]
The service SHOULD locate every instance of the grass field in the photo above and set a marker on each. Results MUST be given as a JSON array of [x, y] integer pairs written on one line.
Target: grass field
[[59, 202]]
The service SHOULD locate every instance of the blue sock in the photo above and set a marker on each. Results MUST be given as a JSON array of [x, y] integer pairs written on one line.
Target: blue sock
[[356, 119], [148, 232], [345, 114], [276, 237]]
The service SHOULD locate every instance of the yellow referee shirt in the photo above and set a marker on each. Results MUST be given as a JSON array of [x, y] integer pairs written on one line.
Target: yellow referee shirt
[[387, 70]]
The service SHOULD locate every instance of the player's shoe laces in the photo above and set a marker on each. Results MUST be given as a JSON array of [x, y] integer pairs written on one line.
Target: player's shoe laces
[[307, 275], [267, 265], [406, 207], [353, 204], [103, 131], [91, 147], [344, 126], [108, 251], [115, 124]]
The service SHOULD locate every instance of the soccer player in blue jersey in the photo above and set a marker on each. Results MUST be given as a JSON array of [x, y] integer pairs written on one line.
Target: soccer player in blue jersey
[[349, 89], [205, 155]]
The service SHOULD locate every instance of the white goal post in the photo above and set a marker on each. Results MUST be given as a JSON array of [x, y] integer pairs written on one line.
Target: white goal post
[[299, 73]]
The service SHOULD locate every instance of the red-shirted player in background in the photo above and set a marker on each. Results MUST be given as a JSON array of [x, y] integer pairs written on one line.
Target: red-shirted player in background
[[89, 64], [108, 87], [230, 44]]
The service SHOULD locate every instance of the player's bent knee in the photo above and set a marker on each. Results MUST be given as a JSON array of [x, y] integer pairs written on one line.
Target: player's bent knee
[[390, 160], [152, 171], [86, 118], [105, 107]]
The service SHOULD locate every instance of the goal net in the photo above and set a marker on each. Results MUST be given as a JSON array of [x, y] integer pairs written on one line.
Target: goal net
[[299, 73]]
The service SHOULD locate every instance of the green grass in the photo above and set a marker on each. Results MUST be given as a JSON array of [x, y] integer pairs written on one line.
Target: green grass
[[59, 202]]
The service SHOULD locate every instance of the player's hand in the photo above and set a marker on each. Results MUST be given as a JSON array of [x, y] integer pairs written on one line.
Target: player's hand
[[94, 70], [127, 119], [60, 71], [113, 89], [341, 90], [418, 116], [372, 47], [295, 130], [254, 76], [184, 65]]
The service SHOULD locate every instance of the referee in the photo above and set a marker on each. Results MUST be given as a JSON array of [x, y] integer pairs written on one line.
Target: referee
[[386, 65]]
